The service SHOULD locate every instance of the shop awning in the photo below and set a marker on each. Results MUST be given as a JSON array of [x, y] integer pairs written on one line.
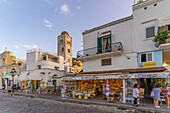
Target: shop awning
[[163, 21], [123, 71]]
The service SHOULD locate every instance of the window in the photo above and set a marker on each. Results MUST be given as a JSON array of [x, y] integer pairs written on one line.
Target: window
[[56, 68], [104, 44], [19, 64], [168, 27], [68, 50], [106, 62], [61, 41], [147, 57], [39, 66], [150, 32], [62, 49], [68, 42]]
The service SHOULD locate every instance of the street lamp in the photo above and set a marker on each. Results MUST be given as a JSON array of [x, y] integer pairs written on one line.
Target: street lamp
[[13, 72]]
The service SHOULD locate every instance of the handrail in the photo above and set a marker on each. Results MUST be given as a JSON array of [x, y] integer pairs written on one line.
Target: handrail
[[99, 50]]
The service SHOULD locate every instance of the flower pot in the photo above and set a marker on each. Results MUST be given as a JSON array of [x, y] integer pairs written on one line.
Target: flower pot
[[161, 42], [119, 49]]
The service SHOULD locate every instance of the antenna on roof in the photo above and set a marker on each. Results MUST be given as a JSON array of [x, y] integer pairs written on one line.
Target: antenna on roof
[[5, 48]]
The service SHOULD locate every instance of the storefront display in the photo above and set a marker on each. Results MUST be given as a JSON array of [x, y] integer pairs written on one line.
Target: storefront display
[[129, 90], [70, 87]]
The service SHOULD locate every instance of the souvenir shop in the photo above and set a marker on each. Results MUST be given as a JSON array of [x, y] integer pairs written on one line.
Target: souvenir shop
[[146, 82], [112, 87], [109, 87]]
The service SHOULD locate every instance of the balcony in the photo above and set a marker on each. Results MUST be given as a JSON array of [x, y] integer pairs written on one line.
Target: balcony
[[165, 45], [48, 64], [162, 40], [100, 52]]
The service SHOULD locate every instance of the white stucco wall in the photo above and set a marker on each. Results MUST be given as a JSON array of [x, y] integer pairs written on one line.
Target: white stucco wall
[[50, 65], [118, 62], [141, 22], [122, 32], [32, 58]]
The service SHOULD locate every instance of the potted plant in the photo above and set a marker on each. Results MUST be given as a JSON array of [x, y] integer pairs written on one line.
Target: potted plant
[[118, 47], [140, 1], [161, 37]]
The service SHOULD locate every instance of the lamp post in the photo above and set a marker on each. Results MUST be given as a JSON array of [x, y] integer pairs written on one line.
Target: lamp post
[[13, 72]]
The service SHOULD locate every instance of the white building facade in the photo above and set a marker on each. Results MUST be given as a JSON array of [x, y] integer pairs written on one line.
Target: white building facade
[[119, 37], [124, 49], [43, 67]]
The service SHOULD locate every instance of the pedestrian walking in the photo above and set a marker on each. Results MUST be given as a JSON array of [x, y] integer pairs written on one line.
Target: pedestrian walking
[[9, 89], [3, 88], [168, 95], [156, 97], [55, 90], [135, 94]]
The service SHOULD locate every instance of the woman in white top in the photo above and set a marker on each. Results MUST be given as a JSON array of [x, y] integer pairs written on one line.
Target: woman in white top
[[135, 94]]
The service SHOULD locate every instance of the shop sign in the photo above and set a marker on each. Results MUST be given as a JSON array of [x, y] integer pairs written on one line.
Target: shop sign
[[152, 75], [99, 77], [67, 78], [87, 78], [148, 64], [125, 76]]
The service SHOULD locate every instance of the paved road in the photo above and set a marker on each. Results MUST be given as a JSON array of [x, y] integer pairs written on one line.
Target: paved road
[[15, 104]]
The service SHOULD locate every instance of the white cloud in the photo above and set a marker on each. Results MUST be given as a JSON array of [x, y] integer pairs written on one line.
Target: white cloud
[[26, 46], [48, 24], [65, 9], [16, 46], [30, 46], [78, 7], [34, 46]]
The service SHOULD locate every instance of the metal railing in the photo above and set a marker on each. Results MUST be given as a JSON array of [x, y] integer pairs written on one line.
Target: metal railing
[[100, 50]]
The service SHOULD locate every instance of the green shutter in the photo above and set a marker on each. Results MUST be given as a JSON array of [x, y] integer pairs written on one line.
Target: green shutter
[[99, 44], [111, 41]]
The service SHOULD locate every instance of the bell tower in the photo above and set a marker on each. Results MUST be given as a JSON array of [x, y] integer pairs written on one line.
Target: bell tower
[[65, 47]]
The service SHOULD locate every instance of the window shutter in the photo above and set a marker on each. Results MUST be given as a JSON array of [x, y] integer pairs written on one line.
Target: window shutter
[[150, 32], [99, 44], [111, 40]]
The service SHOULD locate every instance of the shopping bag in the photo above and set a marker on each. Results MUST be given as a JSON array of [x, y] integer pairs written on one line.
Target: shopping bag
[[152, 94]]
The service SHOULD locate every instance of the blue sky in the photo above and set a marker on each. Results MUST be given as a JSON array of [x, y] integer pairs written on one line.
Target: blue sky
[[25, 24]]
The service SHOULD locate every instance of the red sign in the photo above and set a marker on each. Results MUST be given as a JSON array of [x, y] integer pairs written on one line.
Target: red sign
[[106, 32]]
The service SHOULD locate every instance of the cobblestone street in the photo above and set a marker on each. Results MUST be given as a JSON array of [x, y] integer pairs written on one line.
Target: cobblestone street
[[15, 104]]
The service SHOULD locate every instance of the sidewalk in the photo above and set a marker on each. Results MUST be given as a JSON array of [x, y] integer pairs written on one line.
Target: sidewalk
[[142, 108]]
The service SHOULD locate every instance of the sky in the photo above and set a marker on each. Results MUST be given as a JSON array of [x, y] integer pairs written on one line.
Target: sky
[[27, 24]]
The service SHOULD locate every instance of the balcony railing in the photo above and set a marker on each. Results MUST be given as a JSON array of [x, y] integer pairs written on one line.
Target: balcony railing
[[115, 47]]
